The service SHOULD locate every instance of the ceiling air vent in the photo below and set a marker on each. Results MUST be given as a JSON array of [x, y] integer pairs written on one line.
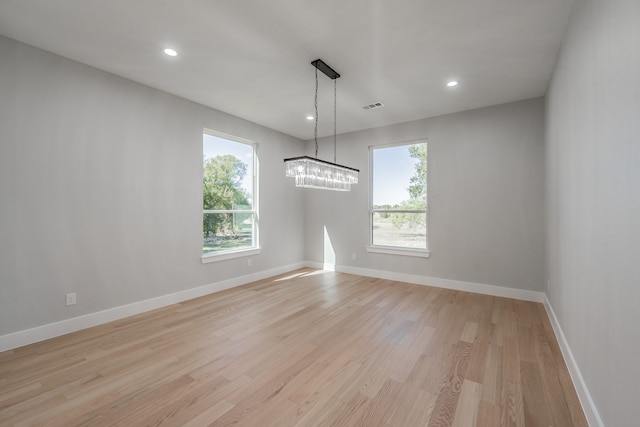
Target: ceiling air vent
[[372, 106]]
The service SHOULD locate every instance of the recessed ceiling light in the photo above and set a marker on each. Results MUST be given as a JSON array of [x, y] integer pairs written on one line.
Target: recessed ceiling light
[[310, 117], [170, 52], [452, 83]]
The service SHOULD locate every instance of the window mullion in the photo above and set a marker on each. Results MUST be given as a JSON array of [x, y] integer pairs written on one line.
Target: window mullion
[[398, 211], [227, 211]]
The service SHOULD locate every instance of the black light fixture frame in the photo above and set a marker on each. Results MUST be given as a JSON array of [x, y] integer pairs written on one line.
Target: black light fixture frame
[[320, 161], [328, 71]]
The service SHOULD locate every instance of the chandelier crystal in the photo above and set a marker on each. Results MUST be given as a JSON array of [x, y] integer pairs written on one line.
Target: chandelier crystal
[[312, 172]]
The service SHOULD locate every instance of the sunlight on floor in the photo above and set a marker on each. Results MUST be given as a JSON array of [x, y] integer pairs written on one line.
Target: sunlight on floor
[[302, 274]]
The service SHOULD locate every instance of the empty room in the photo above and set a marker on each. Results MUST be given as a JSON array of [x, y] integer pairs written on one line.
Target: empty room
[[300, 213]]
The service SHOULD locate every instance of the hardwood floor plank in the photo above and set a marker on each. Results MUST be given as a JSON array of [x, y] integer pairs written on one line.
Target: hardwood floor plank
[[536, 413], [469, 332], [511, 360], [512, 409], [347, 414], [384, 403], [414, 408], [402, 370], [477, 359], [451, 386], [321, 399], [208, 416], [492, 376], [307, 348], [469, 404], [488, 415]]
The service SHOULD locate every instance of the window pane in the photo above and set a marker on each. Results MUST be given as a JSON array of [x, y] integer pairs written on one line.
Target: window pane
[[399, 182], [228, 184], [228, 173], [399, 176], [405, 230], [227, 231]]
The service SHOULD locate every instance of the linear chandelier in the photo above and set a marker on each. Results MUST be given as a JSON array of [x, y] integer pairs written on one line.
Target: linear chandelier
[[315, 173]]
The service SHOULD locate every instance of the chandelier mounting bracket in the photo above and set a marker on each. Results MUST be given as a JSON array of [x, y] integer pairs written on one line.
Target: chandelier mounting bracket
[[328, 71]]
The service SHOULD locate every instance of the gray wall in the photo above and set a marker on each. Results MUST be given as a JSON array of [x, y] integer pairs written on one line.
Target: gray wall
[[593, 192], [486, 198], [100, 191]]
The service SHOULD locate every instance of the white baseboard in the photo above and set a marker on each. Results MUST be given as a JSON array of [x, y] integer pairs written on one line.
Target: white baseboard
[[588, 406], [479, 288], [41, 333]]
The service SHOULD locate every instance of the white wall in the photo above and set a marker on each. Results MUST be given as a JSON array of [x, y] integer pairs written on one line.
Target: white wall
[[593, 193], [100, 191], [486, 198]]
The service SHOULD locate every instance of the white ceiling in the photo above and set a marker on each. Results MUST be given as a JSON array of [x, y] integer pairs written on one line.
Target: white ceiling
[[251, 58]]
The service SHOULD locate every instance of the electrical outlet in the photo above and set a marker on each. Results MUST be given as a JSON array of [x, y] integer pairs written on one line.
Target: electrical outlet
[[353, 257], [249, 262], [71, 298]]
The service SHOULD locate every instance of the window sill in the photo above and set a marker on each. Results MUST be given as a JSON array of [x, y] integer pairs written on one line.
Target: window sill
[[399, 251], [213, 257]]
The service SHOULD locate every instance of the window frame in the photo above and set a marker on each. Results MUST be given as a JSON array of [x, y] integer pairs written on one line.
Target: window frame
[[254, 211], [396, 250]]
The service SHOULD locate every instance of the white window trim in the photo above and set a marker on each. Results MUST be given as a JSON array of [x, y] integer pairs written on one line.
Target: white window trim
[[223, 256], [228, 211], [393, 250], [255, 248]]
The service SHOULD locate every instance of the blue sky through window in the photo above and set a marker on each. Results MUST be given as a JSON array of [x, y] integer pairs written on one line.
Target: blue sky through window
[[393, 169]]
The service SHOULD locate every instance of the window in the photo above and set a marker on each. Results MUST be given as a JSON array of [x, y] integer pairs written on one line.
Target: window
[[230, 220], [398, 198]]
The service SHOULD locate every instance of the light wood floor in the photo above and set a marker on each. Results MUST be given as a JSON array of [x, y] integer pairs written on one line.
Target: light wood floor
[[304, 349]]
